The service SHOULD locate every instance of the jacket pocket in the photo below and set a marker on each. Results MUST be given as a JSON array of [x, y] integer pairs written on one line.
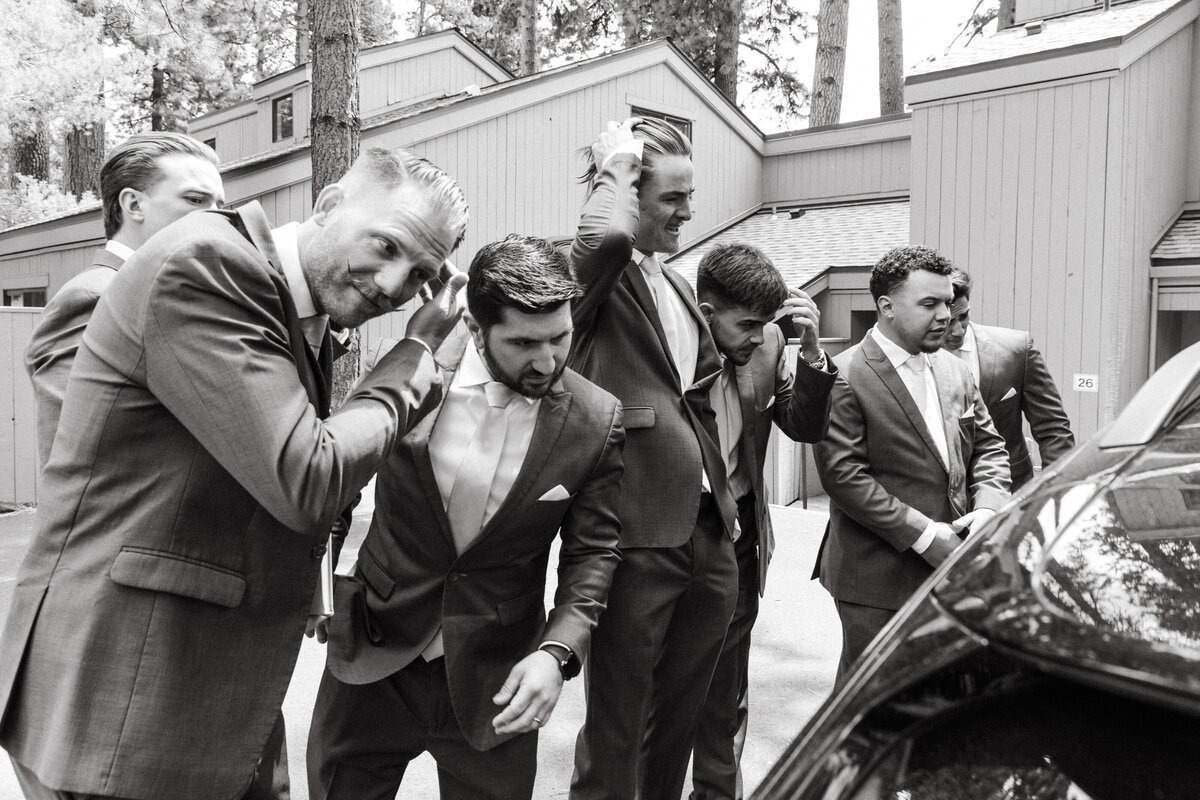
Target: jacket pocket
[[162, 571], [375, 575], [519, 608], [639, 417]]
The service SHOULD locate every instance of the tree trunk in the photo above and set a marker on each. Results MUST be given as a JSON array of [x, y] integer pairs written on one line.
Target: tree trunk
[[1006, 14], [528, 37], [158, 98], [30, 150], [84, 158], [303, 26], [335, 126], [891, 58], [725, 60], [830, 69], [421, 18]]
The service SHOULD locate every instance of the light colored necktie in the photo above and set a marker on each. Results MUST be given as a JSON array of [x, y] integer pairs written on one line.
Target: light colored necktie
[[668, 320], [468, 500], [917, 364], [928, 403]]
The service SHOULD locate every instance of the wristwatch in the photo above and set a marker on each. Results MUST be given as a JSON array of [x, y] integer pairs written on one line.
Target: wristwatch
[[820, 362], [567, 662]]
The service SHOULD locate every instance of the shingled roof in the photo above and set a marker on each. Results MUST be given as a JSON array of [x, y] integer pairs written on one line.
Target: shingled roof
[[1181, 243], [805, 242], [1083, 29]]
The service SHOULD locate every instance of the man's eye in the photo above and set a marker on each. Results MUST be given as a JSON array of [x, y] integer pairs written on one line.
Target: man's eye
[[386, 247]]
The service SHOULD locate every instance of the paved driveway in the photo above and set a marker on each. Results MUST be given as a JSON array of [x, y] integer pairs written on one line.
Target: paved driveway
[[795, 651]]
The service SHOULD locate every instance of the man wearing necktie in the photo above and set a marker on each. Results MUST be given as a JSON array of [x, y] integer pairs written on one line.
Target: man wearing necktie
[[441, 643], [194, 479], [740, 293], [911, 459], [640, 335], [1012, 377]]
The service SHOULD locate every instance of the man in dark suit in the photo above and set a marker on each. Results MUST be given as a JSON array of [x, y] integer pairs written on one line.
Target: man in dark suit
[[447, 648], [740, 293], [193, 482], [640, 335], [911, 458], [1013, 379], [147, 182]]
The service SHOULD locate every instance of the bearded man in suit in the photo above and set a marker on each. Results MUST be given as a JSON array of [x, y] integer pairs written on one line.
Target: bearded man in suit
[[148, 181], [447, 648], [1012, 377], [740, 293], [640, 335], [911, 459], [194, 479]]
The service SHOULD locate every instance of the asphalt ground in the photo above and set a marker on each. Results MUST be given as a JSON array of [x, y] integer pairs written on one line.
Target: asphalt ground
[[792, 661]]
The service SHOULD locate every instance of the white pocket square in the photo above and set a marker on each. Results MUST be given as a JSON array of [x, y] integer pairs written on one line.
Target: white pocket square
[[557, 493], [1012, 392]]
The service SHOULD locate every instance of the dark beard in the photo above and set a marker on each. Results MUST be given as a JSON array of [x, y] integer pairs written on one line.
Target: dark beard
[[514, 382]]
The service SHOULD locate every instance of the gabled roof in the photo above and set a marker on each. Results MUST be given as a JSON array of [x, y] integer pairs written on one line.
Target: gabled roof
[[1093, 28], [805, 242], [1181, 243]]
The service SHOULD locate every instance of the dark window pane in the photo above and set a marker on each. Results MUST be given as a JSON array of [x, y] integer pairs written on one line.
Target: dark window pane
[[281, 123], [684, 125]]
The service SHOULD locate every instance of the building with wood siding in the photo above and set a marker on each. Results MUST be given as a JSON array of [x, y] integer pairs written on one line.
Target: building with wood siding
[[1057, 161]]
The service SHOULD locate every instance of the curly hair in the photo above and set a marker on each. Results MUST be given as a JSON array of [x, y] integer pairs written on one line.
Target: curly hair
[[893, 268]]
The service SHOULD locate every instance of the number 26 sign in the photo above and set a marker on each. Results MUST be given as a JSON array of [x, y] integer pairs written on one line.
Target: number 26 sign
[[1086, 383]]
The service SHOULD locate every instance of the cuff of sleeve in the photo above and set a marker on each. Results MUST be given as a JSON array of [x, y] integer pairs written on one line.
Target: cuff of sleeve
[[821, 363], [925, 539], [428, 349], [633, 147]]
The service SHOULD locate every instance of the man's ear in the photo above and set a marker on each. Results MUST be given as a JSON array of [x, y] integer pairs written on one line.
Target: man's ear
[[885, 307], [133, 205], [475, 329], [707, 310], [327, 200]]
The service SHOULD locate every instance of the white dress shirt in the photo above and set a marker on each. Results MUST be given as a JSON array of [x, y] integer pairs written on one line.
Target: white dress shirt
[[727, 405], [118, 249], [923, 389], [287, 245], [969, 352]]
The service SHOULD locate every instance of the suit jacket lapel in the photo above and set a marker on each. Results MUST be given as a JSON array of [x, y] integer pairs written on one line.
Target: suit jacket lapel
[[945, 389], [708, 361], [749, 403], [987, 363], [417, 441], [895, 384], [645, 298], [552, 416]]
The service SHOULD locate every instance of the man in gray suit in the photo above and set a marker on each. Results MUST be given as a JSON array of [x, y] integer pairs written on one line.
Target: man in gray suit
[[159, 609], [147, 182], [911, 459], [1012, 377]]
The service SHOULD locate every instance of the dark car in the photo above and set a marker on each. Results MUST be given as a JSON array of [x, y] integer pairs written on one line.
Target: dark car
[[1056, 654]]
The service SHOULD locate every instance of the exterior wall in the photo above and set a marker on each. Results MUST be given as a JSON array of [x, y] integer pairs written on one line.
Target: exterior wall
[[236, 138], [1051, 197], [1146, 187], [1027, 10], [440, 72], [53, 252], [845, 163], [18, 433]]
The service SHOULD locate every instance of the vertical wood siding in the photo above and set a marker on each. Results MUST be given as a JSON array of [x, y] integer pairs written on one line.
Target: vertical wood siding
[[1027, 10], [871, 168], [18, 415], [58, 266], [1051, 199]]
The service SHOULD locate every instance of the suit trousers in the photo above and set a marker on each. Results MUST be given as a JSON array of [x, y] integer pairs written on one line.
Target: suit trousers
[[652, 657], [860, 624], [363, 736], [721, 736], [34, 789]]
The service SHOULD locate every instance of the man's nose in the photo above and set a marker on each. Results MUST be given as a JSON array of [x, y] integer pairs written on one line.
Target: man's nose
[[543, 360], [685, 210], [391, 280]]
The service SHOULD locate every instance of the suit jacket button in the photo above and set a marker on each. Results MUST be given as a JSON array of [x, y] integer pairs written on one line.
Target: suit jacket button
[[319, 551], [454, 576]]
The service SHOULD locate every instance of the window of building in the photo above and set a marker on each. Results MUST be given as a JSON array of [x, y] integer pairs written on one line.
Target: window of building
[[281, 118], [684, 125], [211, 143], [25, 298]]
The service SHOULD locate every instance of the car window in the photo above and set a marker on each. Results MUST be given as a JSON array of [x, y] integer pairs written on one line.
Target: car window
[[1048, 740]]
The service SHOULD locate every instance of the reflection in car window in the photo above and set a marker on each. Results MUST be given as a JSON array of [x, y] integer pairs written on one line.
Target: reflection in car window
[[1048, 740], [1128, 562]]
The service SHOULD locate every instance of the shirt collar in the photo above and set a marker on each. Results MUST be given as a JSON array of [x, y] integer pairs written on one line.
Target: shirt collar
[[287, 244], [896, 354], [968, 344], [118, 249], [639, 257], [473, 372]]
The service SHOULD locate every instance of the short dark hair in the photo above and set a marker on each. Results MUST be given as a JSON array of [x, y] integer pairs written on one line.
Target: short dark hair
[[521, 272], [742, 275], [133, 164], [659, 138], [389, 168], [961, 283], [893, 268]]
